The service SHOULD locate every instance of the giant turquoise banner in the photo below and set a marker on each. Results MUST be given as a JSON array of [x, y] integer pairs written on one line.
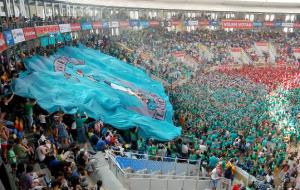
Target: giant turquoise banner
[[85, 80]]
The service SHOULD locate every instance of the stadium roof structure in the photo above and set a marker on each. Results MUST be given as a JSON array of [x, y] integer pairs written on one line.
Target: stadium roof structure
[[263, 6]]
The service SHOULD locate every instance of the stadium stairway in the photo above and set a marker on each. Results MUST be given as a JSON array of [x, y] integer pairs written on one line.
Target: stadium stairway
[[102, 171]]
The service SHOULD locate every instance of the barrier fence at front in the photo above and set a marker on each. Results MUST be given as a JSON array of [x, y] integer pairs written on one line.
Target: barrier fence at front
[[146, 181]]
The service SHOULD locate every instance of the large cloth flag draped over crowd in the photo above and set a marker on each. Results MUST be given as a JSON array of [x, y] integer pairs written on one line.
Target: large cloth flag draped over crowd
[[84, 80]]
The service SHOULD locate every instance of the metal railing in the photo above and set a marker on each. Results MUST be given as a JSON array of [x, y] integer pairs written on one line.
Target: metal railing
[[134, 181]]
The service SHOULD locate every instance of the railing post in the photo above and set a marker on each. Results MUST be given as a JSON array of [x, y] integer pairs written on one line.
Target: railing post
[[188, 167], [175, 165]]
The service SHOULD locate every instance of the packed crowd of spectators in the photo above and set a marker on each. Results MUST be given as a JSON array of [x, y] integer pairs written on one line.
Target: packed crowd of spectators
[[43, 150], [227, 119], [228, 109]]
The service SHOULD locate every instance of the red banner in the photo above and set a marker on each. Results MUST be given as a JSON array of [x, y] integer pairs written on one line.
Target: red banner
[[124, 23], [97, 25], [53, 29], [296, 50], [75, 27], [2, 43], [29, 33], [41, 30], [296, 25], [44, 30], [175, 22], [154, 23], [261, 43], [236, 49], [179, 54], [269, 24], [203, 22], [237, 24]]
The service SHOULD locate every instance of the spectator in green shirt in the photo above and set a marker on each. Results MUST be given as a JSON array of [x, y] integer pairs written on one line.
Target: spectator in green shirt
[[152, 150], [79, 120], [28, 108]]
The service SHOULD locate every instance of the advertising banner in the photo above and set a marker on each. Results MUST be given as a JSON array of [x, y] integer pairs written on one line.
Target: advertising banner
[[261, 43], [18, 35], [134, 23], [192, 22], [63, 28], [105, 24], [97, 25], [144, 23], [53, 29], [41, 30], [86, 26], [203, 23], [154, 23], [237, 24], [2, 43], [287, 24], [257, 24], [269, 24], [296, 25], [179, 54], [75, 27], [124, 23], [278, 24], [9, 39], [175, 22], [29, 33], [114, 24], [214, 23]]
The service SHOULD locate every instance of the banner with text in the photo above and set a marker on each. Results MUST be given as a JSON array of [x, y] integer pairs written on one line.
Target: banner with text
[[63, 28], [124, 23], [237, 24], [114, 24], [29, 33], [18, 35], [9, 39], [97, 25], [86, 26], [75, 27], [2, 43], [154, 23]]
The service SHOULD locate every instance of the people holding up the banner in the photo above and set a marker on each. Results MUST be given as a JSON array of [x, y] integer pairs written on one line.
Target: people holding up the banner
[[28, 108], [79, 120]]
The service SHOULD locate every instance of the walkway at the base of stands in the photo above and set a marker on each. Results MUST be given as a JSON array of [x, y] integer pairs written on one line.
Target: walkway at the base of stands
[[102, 171]]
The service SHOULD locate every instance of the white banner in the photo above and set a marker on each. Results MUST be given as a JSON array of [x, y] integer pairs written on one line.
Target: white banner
[[18, 35], [114, 24], [193, 22], [287, 24], [63, 28]]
